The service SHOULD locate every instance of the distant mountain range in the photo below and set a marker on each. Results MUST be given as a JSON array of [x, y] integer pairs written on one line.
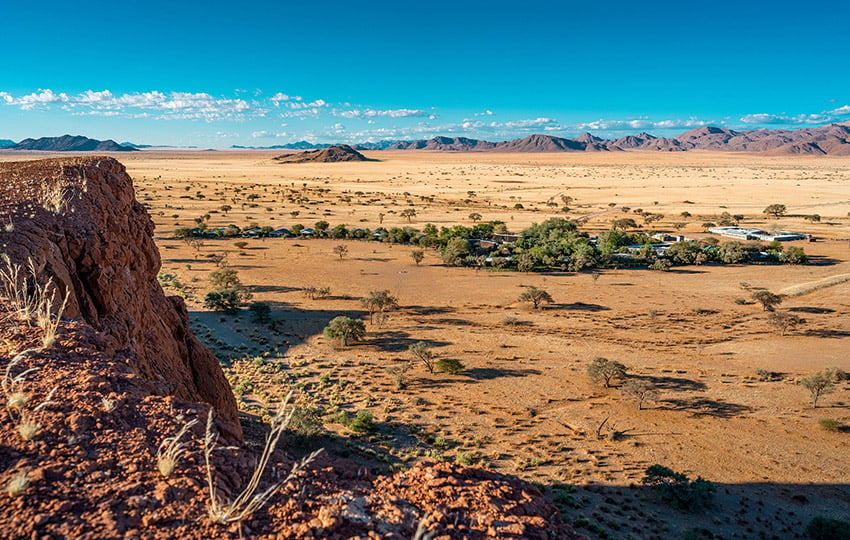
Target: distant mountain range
[[70, 143], [832, 139]]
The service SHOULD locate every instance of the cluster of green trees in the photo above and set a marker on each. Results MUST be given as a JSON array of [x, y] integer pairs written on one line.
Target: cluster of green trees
[[554, 243]]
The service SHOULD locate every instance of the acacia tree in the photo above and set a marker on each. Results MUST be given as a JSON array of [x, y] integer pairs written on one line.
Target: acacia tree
[[767, 299], [819, 384], [422, 352], [641, 391], [345, 330], [475, 217], [536, 296], [784, 321], [341, 250], [417, 255], [408, 213], [775, 210], [225, 277], [604, 371], [379, 302]]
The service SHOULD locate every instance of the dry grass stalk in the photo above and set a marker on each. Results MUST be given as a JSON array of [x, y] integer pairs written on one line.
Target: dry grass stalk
[[31, 300], [171, 449], [249, 501]]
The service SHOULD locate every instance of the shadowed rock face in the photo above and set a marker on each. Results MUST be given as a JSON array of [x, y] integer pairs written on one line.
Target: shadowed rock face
[[79, 222]]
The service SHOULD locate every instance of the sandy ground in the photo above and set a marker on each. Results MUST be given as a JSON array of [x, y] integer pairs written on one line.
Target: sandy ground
[[524, 403]]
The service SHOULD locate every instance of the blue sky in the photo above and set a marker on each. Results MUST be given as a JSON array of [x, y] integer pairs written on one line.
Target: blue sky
[[270, 72]]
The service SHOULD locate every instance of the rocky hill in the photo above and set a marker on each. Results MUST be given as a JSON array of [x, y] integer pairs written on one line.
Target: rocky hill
[[71, 143], [6, 143], [331, 154], [85, 413], [832, 139]]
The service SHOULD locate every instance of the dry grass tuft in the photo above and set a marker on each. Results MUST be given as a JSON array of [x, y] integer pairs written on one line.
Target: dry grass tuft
[[171, 450], [249, 501], [18, 484]]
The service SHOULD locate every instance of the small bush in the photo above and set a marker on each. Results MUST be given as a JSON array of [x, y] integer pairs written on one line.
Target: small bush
[[679, 490], [362, 423], [821, 528], [261, 312], [829, 424], [452, 366]]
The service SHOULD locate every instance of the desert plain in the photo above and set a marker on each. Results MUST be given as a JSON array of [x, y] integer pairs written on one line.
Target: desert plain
[[729, 408]]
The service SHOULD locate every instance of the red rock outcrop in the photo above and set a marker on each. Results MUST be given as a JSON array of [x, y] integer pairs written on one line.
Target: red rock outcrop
[[78, 221]]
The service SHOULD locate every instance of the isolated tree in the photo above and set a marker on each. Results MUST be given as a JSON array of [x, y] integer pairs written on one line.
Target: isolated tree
[[784, 321], [225, 300], [652, 218], [341, 250], [819, 384], [345, 330], [408, 213], [767, 299], [225, 278], [775, 210], [423, 353], [640, 390], [814, 218], [225, 208], [475, 217], [602, 370], [380, 218], [379, 302], [417, 255], [261, 312], [624, 223], [536, 297], [240, 244]]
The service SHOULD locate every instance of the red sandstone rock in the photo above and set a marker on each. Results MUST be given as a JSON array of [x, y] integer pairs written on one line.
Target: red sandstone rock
[[99, 246]]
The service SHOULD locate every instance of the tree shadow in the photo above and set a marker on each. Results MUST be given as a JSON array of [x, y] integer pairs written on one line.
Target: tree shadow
[[580, 306], [706, 407], [453, 321], [429, 310], [273, 289], [812, 310], [820, 260], [685, 271], [672, 383], [827, 333], [486, 374], [397, 341]]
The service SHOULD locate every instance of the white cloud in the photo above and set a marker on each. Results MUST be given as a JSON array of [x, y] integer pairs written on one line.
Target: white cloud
[[805, 119], [488, 112], [840, 111], [390, 113], [260, 134]]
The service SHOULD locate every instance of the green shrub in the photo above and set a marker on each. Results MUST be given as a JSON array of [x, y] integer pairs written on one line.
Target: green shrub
[[829, 424], [362, 423], [226, 300], [261, 312], [821, 528], [452, 366], [679, 490]]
